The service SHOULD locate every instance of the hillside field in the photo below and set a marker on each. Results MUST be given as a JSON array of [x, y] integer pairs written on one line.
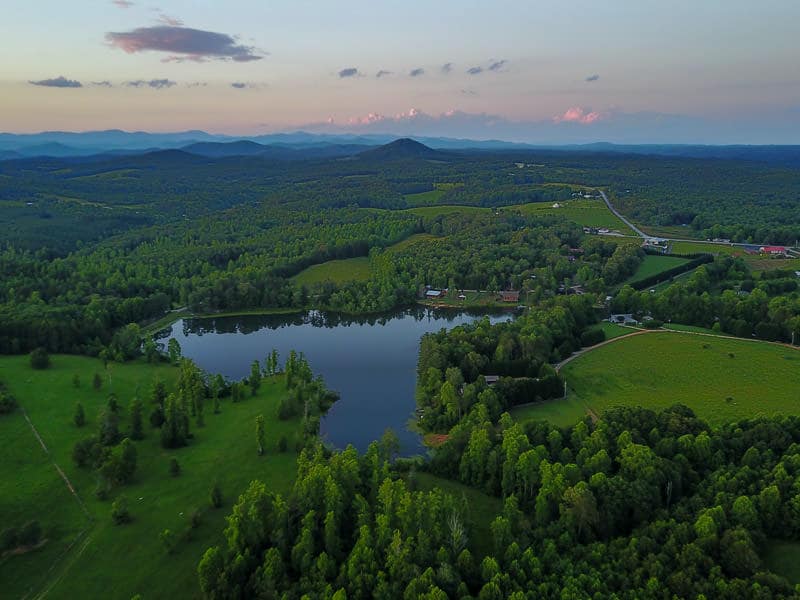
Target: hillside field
[[721, 379], [337, 271], [653, 265], [119, 561]]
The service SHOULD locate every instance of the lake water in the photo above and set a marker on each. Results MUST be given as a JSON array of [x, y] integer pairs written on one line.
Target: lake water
[[370, 361]]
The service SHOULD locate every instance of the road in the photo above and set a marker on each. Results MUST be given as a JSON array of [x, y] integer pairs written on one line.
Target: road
[[643, 235], [620, 216]]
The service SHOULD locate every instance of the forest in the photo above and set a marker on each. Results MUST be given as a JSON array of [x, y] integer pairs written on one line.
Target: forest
[[638, 505]]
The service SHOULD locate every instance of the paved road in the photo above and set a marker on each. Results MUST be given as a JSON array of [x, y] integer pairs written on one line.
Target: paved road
[[619, 215], [643, 235]]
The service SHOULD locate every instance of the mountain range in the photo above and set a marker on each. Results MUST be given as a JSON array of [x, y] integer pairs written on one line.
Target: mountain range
[[302, 145]]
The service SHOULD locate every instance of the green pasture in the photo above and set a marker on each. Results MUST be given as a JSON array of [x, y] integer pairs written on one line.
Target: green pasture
[[111, 561], [721, 379]]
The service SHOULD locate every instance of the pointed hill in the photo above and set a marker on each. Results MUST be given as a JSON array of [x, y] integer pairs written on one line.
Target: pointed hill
[[403, 149]]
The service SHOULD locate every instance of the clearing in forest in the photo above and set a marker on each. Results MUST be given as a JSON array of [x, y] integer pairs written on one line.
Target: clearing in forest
[[721, 379]]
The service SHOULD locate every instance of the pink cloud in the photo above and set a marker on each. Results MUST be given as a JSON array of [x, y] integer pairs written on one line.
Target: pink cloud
[[368, 119], [576, 114]]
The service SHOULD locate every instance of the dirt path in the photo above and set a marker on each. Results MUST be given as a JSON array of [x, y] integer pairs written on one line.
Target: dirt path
[[583, 351], [83, 537]]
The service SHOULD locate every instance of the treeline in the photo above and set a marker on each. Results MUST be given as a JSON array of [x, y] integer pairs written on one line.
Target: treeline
[[638, 505], [725, 297], [453, 365]]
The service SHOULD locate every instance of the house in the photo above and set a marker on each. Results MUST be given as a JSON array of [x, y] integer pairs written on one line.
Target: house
[[509, 296], [491, 379], [434, 294], [575, 289], [797, 273], [623, 319], [773, 250]]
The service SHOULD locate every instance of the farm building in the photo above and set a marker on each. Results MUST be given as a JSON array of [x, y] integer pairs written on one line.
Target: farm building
[[434, 293], [491, 379], [624, 319], [773, 250], [509, 296]]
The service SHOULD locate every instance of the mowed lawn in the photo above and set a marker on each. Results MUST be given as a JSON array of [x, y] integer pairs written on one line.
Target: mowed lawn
[[705, 247], [120, 561], [721, 379], [653, 265], [336, 271]]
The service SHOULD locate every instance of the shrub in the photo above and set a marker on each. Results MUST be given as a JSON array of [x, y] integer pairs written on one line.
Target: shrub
[[7, 402], [29, 534], [216, 496], [282, 444], [174, 467], [40, 359], [119, 511], [590, 337], [8, 538], [79, 418]]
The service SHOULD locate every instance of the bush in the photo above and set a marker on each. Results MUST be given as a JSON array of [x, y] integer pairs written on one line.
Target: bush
[[174, 467], [653, 324], [216, 496], [29, 534], [79, 418], [7, 403], [590, 337], [196, 519], [40, 359], [119, 511], [8, 538], [282, 444]]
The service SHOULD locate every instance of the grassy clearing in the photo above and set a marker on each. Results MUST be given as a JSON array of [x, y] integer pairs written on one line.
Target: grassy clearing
[[482, 510], [660, 369], [705, 247], [653, 265], [447, 209], [768, 264], [411, 240], [612, 330], [783, 557], [692, 329], [424, 198], [336, 271], [120, 561], [588, 213]]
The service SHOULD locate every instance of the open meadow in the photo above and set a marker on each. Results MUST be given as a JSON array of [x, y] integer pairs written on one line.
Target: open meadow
[[653, 265], [721, 379], [85, 555]]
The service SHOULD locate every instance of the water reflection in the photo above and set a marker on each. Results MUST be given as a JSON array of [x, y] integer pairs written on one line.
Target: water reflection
[[370, 360]]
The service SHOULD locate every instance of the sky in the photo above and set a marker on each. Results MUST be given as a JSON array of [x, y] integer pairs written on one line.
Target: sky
[[568, 71]]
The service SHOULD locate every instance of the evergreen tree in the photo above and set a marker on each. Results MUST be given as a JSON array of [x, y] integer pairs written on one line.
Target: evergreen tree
[[137, 431], [260, 439], [79, 418]]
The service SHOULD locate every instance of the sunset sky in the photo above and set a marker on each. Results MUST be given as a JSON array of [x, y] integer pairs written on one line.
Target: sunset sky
[[540, 71]]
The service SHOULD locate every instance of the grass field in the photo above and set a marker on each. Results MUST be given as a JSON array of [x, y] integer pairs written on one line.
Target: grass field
[[337, 271], [424, 198], [653, 265], [705, 247], [445, 209], [657, 370], [612, 330], [692, 329], [757, 263], [120, 561], [588, 213], [783, 558], [482, 510]]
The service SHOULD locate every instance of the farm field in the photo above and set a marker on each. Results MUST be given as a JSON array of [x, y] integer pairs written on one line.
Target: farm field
[[653, 265], [337, 271], [767, 264], [588, 213], [424, 198], [705, 247], [445, 209], [612, 330], [721, 379], [120, 561]]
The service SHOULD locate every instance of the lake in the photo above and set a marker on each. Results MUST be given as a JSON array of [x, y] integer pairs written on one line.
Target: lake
[[370, 361]]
